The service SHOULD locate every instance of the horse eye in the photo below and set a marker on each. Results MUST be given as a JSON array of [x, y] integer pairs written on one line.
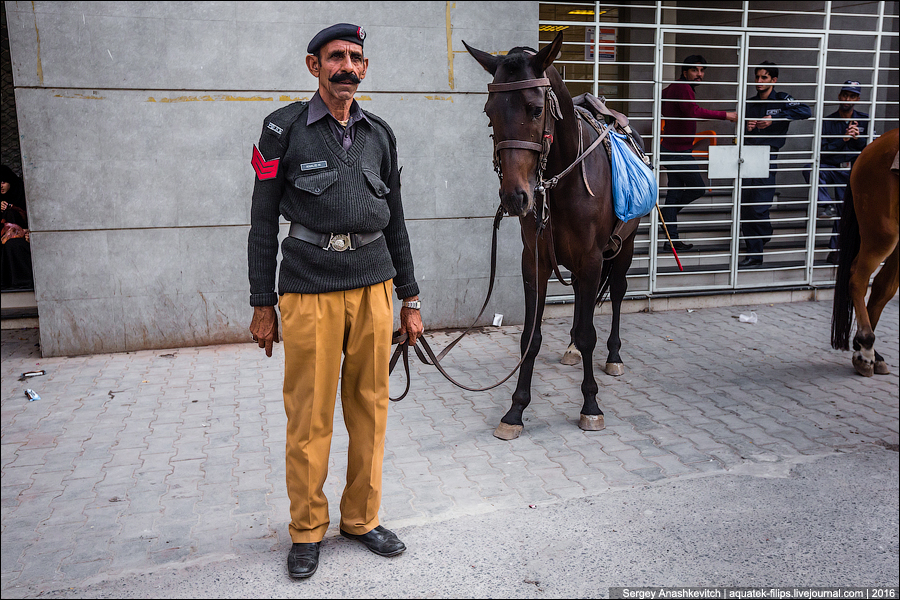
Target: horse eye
[[538, 111]]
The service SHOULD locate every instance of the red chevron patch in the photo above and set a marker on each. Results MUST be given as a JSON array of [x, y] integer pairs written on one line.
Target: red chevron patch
[[265, 169]]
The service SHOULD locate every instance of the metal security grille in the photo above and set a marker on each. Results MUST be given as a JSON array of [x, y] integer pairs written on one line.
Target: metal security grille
[[630, 52]]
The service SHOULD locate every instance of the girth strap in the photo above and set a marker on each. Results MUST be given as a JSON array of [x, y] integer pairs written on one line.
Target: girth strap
[[621, 231]]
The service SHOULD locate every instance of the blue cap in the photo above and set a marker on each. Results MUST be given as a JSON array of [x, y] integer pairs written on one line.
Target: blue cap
[[851, 86], [341, 31]]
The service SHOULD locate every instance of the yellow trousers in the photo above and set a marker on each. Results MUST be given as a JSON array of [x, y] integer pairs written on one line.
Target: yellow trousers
[[318, 329]]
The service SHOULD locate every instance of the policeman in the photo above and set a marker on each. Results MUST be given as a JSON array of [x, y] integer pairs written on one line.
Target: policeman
[[330, 168], [768, 114]]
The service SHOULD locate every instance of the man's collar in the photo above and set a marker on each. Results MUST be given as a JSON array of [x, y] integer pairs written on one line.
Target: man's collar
[[318, 110]]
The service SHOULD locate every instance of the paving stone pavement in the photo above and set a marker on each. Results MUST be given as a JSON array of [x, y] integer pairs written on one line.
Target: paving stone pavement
[[150, 460]]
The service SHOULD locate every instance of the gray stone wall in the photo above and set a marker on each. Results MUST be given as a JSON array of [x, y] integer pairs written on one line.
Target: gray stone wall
[[137, 121]]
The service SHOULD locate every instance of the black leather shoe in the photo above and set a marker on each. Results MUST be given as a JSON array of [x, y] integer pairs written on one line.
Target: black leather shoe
[[303, 560], [750, 263], [381, 541], [826, 212], [679, 246]]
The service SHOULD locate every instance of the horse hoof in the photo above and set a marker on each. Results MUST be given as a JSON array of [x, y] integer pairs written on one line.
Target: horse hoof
[[572, 356], [591, 422], [864, 367], [507, 432], [881, 368], [615, 369]]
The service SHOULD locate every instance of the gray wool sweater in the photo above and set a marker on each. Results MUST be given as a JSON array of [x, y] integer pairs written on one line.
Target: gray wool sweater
[[319, 185]]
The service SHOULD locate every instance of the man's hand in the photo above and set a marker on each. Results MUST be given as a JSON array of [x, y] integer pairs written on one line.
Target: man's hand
[[264, 327], [764, 122], [852, 131], [411, 322], [731, 116], [751, 125]]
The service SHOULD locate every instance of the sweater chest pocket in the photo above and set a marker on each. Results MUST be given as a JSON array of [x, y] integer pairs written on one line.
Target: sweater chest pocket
[[376, 184], [316, 183]]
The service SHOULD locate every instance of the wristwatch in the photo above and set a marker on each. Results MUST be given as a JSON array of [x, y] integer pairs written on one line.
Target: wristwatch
[[412, 304]]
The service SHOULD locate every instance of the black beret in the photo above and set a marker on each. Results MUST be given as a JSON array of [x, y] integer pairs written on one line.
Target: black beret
[[341, 31]]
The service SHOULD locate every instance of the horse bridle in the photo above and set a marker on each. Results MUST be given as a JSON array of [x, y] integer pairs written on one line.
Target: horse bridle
[[551, 107]]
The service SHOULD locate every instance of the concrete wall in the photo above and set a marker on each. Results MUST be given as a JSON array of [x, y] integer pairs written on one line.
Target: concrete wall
[[137, 121]]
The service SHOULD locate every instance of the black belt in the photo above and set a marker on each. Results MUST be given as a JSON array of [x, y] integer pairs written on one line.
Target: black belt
[[333, 241]]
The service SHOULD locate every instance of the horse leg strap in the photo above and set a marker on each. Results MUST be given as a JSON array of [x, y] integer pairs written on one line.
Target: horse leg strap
[[620, 232], [584, 177]]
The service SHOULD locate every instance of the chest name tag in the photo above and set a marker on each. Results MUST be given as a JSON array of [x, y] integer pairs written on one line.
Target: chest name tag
[[313, 165]]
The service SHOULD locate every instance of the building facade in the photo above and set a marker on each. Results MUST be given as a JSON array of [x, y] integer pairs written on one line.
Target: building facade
[[136, 122]]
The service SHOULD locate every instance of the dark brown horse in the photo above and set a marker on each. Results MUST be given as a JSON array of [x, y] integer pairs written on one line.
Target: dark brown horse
[[870, 229], [536, 131]]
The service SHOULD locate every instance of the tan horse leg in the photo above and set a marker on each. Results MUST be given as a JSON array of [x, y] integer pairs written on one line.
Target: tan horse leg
[[869, 257], [885, 286], [883, 289]]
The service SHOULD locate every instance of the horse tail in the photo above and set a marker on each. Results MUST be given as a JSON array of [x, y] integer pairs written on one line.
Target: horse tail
[[842, 311]]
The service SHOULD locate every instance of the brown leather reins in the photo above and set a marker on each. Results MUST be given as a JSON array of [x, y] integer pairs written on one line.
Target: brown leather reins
[[401, 340]]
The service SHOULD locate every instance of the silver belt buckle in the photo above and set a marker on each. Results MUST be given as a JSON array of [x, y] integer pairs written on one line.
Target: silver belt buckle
[[339, 242]]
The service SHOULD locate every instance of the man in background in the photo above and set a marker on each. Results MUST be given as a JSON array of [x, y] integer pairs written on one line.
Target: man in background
[[844, 135], [769, 114], [681, 112]]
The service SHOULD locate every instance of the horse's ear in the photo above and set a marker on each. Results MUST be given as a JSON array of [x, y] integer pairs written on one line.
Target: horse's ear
[[488, 61], [543, 59]]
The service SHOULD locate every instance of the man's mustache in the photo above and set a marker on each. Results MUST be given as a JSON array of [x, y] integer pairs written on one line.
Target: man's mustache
[[344, 78]]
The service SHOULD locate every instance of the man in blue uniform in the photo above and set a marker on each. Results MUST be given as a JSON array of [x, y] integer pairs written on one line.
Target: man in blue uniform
[[844, 135], [768, 114]]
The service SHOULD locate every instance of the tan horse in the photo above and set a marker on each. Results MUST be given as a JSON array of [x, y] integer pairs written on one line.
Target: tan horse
[[870, 229]]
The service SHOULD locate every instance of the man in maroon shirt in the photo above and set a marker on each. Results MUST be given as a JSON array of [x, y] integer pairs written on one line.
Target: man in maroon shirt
[[681, 112]]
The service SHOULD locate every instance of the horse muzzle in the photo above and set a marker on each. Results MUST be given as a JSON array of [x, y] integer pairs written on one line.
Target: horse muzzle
[[518, 202]]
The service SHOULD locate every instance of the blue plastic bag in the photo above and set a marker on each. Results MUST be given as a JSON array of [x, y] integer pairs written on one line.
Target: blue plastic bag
[[634, 185]]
